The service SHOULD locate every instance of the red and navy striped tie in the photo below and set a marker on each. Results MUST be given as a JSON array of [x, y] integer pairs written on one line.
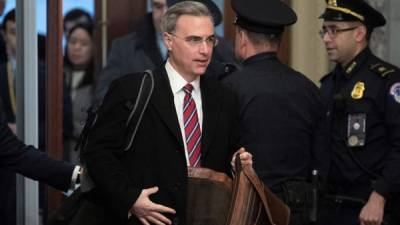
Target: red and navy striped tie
[[192, 127]]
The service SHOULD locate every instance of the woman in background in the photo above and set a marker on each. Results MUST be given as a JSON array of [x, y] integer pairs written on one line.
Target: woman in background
[[79, 79]]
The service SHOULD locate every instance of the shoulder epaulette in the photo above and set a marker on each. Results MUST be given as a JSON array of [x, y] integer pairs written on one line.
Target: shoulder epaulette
[[382, 70]]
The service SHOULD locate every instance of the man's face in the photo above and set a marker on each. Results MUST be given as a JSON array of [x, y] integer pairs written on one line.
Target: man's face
[[10, 36], [159, 8], [340, 40], [190, 46]]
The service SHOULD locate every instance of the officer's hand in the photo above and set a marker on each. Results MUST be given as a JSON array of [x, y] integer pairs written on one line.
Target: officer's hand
[[245, 158], [147, 211], [372, 212]]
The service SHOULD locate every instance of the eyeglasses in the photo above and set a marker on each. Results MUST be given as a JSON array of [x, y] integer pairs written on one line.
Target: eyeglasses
[[195, 41], [333, 31]]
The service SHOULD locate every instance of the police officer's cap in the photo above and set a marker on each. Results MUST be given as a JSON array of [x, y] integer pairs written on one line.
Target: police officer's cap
[[353, 10], [263, 16]]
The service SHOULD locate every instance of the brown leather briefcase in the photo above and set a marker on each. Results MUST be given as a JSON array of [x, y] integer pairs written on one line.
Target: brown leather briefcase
[[214, 199], [209, 196]]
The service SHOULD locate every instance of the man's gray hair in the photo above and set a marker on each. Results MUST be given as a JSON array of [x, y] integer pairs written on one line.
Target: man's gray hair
[[191, 8]]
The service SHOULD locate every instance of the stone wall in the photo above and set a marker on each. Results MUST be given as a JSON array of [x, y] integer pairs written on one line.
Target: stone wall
[[385, 40]]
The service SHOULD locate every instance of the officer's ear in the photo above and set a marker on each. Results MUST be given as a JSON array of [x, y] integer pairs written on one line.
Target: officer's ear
[[361, 33], [243, 36]]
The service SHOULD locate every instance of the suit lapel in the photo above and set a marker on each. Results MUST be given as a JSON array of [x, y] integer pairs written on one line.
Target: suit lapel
[[163, 101], [211, 111]]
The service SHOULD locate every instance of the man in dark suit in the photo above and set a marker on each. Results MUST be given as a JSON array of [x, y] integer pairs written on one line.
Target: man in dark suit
[[143, 49], [281, 112], [189, 122], [17, 157]]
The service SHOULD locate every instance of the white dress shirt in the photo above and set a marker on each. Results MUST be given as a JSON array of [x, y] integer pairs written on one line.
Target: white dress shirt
[[177, 83]]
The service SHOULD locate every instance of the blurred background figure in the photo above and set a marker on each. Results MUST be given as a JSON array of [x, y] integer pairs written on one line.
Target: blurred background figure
[[3, 54], [79, 79]]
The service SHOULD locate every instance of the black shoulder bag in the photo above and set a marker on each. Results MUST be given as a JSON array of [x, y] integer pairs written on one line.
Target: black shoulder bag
[[76, 209]]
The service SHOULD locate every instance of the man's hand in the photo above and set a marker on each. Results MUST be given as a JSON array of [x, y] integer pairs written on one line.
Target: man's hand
[[245, 158], [372, 212], [149, 212]]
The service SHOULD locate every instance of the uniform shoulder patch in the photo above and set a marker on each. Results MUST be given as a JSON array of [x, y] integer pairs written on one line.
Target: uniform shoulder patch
[[395, 91], [382, 69]]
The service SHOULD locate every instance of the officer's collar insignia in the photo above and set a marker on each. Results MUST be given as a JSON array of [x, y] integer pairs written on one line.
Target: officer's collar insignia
[[351, 67], [332, 3], [358, 90], [395, 91]]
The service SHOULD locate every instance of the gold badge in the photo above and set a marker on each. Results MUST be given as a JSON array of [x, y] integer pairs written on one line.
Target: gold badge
[[332, 2], [358, 90], [352, 141]]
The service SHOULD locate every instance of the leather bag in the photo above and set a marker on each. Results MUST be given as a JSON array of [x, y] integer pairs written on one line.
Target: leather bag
[[214, 199]]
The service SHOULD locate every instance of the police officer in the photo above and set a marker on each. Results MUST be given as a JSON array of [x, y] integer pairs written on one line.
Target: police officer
[[281, 111], [363, 96]]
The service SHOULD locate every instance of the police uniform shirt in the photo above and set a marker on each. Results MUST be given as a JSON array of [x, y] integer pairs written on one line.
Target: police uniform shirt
[[367, 89], [280, 111]]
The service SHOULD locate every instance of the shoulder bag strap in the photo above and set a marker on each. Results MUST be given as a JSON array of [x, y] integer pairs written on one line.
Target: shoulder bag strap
[[136, 114]]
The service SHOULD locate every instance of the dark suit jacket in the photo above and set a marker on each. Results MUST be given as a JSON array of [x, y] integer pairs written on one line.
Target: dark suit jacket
[[30, 162], [17, 157], [24, 165], [157, 156], [139, 51]]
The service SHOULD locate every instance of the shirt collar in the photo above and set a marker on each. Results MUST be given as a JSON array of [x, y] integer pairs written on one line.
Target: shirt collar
[[176, 80]]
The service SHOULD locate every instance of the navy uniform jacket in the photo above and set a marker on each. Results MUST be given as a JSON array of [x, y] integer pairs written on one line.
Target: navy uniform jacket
[[281, 120], [378, 98]]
